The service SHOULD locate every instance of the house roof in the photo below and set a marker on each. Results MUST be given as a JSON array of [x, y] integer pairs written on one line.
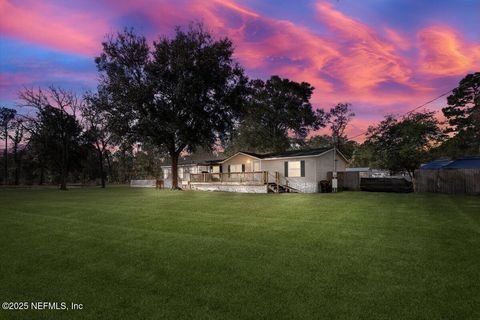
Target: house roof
[[296, 153], [272, 155], [436, 164], [290, 153], [462, 163], [189, 160], [287, 154]]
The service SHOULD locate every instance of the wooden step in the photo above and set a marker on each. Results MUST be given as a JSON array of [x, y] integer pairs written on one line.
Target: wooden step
[[272, 187]]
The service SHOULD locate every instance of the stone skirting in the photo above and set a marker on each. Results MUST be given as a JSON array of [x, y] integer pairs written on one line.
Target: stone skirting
[[228, 187]]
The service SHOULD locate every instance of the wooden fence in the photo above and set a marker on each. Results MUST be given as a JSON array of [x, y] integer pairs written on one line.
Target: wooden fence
[[346, 180], [466, 181]]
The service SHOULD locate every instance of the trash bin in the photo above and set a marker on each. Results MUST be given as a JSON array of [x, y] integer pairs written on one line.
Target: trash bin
[[325, 186]]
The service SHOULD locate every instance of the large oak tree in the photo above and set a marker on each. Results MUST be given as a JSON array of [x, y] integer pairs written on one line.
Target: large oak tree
[[183, 93]]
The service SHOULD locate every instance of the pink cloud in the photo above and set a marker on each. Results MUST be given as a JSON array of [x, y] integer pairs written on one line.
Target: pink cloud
[[444, 53], [53, 26], [262, 44], [398, 39], [367, 59], [378, 70]]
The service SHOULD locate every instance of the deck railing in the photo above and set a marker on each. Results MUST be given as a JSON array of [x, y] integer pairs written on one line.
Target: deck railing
[[259, 177]]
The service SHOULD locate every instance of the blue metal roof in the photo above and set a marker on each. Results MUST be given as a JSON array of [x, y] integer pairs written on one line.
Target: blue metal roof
[[436, 164], [464, 163]]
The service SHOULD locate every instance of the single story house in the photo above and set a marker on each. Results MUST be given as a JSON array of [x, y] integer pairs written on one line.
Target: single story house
[[289, 171]]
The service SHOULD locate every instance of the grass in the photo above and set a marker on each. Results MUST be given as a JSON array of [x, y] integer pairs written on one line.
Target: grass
[[147, 254]]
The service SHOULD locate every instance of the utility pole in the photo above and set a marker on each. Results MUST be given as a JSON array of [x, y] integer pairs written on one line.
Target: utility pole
[[334, 173]]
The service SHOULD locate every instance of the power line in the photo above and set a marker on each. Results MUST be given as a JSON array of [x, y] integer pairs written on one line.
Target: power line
[[408, 112]]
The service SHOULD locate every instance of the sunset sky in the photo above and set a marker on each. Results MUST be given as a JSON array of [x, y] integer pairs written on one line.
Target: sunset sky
[[381, 56]]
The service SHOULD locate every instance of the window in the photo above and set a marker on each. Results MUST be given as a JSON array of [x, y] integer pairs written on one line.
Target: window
[[180, 173], [215, 169], [256, 166], [295, 168], [235, 168]]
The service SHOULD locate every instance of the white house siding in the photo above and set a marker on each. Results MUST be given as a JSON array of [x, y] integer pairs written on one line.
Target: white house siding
[[316, 168], [307, 184], [239, 159], [325, 164]]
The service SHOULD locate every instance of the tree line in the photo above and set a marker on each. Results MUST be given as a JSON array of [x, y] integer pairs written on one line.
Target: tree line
[[186, 93]]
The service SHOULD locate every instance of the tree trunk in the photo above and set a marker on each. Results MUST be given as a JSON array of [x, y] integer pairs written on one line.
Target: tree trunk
[[63, 178], [109, 168], [42, 175], [63, 168], [17, 176], [123, 173], [5, 176], [102, 173], [17, 166], [174, 157]]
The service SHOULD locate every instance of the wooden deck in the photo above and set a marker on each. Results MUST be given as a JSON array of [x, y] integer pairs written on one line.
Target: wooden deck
[[260, 177], [275, 181]]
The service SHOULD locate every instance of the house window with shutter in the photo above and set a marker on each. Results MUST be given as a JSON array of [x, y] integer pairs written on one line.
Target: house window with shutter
[[236, 168], [295, 168]]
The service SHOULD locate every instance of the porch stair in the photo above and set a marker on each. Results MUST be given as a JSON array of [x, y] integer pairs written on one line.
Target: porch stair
[[273, 187]]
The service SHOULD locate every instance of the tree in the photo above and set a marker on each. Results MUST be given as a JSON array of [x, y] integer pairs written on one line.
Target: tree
[[147, 162], [403, 144], [338, 118], [347, 147], [364, 156], [184, 94], [6, 116], [463, 114], [96, 123], [17, 138], [275, 110], [55, 127]]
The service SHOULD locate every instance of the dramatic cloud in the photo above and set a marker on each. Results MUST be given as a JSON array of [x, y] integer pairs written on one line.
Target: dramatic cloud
[[54, 26], [367, 60], [371, 54], [444, 53]]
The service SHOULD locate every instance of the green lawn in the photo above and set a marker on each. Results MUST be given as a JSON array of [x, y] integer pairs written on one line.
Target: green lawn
[[147, 254]]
